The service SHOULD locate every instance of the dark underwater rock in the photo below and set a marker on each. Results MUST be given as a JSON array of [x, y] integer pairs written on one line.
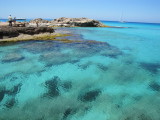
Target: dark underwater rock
[[14, 90], [137, 98], [55, 58], [112, 52], [155, 86], [138, 117], [67, 85], [102, 67], [90, 95], [39, 47], [85, 66], [10, 103], [67, 112], [144, 117], [76, 51], [2, 94], [89, 48], [152, 67], [74, 61], [12, 57], [52, 86], [13, 79], [13, 76], [53, 50]]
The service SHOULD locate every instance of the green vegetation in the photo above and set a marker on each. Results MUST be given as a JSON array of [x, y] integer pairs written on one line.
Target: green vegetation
[[37, 37], [46, 36]]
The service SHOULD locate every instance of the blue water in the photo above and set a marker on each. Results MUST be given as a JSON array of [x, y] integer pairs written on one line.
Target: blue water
[[143, 39], [112, 74]]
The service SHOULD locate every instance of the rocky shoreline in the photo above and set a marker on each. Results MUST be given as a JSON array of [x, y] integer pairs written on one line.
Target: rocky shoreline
[[40, 29], [66, 22], [8, 32], [38, 26]]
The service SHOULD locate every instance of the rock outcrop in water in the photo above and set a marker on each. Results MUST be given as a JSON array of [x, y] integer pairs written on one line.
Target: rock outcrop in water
[[39, 20], [90, 95], [67, 22], [15, 31], [80, 22], [12, 57]]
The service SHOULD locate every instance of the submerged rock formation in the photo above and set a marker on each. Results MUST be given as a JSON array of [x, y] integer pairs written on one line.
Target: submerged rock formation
[[12, 57], [90, 95], [15, 31]]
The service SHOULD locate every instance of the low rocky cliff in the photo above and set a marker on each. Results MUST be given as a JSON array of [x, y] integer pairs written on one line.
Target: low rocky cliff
[[15, 31], [80, 22], [67, 22], [39, 20]]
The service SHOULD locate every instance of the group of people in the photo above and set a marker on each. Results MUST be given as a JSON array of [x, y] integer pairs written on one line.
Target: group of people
[[10, 20]]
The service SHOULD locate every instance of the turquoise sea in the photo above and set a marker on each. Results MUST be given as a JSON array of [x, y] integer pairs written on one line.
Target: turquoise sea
[[112, 74]]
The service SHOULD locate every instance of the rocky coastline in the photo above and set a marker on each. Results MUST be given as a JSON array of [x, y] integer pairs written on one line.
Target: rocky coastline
[[8, 32], [41, 26], [67, 22]]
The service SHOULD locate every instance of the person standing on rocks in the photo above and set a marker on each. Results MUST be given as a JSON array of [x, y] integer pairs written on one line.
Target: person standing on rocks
[[10, 20]]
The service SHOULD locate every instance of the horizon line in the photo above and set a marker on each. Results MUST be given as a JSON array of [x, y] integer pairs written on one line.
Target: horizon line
[[96, 19]]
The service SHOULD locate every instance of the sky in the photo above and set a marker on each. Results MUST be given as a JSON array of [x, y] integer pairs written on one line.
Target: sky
[[110, 10]]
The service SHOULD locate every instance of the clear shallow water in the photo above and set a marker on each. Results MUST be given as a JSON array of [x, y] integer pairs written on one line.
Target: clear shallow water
[[117, 80]]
